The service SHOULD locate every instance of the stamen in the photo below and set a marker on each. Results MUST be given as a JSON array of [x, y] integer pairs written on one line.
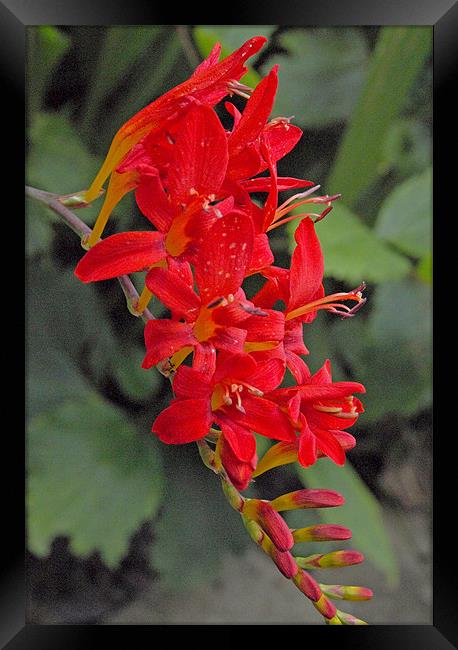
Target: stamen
[[327, 409], [226, 398], [215, 303], [251, 309], [239, 89], [239, 406], [252, 389], [301, 195], [327, 302]]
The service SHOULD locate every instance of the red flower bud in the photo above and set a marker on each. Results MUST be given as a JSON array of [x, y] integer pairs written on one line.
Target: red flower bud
[[308, 499]]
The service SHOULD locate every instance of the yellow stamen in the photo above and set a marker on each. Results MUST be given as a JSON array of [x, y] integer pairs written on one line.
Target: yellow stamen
[[327, 302], [327, 409]]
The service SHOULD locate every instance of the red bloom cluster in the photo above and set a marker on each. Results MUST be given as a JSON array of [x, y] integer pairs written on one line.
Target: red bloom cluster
[[193, 181]]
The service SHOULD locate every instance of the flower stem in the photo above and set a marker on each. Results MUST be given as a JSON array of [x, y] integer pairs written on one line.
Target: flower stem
[[83, 231]]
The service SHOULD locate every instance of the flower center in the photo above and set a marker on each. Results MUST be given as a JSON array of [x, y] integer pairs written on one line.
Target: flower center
[[229, 392]]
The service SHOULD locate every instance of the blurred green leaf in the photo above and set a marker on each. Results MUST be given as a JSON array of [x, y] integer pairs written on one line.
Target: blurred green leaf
[[231, 38], [160, 69], [79, 323], [122, 48], [135, 382], [352, 251], [197, 527], [399, 56], [425, 269], [91, 477], [405, 218], [46, 46], [321, 75], [403, 312], [390, 353], [406, 149], [58, 161], [361, 512]]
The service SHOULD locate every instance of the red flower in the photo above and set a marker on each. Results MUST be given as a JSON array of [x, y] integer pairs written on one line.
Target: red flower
[[324, 410], [219, 314], [231, 397], [210, 82], [302, 291], [198, 168]]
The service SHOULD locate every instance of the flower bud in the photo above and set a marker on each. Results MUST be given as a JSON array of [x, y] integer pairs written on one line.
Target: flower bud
[[285, 562], [330, 560], [344, 592], [325, 607], [308, 499], [321, 533], [305, 583], [349, 619]]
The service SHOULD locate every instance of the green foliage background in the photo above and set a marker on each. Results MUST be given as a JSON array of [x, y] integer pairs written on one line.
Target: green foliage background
[[363, 98]]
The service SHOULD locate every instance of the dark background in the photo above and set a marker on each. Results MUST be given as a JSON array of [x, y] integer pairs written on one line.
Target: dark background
[[124, 529]]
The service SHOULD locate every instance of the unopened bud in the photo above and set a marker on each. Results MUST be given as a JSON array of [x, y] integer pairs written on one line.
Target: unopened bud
[[349, 619], [305, 583], [321, 533], [308, 499], [344, 592], [325, 607], [285, 562], [330, 560], [275, 526]]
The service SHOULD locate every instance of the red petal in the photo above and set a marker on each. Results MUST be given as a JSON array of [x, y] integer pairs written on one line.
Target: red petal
[[223, 257], [281, 137], [234, 112], [314, 392], [230, 339], [153, 202], [262, 183], [323, 375], [174, 293], [189, 383], [204, 360], [241, 441], [163, 338], [307, 446], [294, 337], [200, 156], [234, 366], [270, 206], [297, 367], [268, 375], [254, 117], [181, 270], [307, 266], [119, 254], [208, 63], [270, 327], [328, 444], [264, 417], [184, 421], [262, 256]]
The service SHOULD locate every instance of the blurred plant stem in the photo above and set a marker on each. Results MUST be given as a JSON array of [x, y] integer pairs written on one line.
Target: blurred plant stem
[[54, 203], [189, 48]]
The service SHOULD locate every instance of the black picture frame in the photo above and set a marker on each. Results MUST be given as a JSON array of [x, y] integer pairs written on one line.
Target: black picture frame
[[442, 15]]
